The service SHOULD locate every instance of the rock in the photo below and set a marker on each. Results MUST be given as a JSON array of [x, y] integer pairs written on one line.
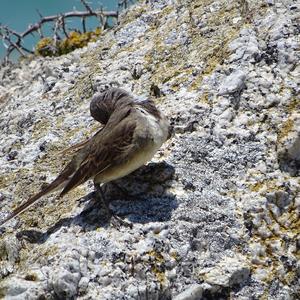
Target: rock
[[288, 144], [18, 290], [289, 138], [83, 284], [233, 83], [65, 284], [245, 47], [12, 155], [229, 272], [226, 183], [194, 292], [10, 254], [281, 198]]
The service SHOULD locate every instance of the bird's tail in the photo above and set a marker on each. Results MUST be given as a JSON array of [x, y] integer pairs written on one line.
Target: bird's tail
[[58, 183]]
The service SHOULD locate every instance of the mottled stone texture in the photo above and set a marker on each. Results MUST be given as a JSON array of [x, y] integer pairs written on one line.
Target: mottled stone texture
[[216, 213]]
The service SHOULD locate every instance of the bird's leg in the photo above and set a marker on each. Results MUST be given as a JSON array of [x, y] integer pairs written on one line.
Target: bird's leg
[[101, 196]]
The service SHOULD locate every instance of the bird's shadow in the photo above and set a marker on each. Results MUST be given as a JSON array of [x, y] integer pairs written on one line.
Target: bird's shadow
[[141, 197]]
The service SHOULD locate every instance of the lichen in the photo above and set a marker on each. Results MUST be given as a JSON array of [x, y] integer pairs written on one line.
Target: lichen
[[269, 185], [168, 63], [45, 47], [133, 14], [157, 266], [285, 129], [50, 47], [294, 105], [278, 232]]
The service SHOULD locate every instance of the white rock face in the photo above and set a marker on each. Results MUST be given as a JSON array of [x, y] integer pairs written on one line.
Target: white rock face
[[194, 292], [290, 142], [233, 83], [229, 272], [216, 213]]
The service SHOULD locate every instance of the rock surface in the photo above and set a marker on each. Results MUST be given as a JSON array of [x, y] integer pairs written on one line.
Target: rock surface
[[216, 213]]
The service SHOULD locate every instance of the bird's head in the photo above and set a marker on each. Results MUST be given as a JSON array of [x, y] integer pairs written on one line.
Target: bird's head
[[104, 104]]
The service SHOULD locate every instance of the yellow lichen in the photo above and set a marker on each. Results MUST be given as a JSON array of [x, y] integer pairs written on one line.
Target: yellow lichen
[[158, 260], [168, 63], [50, 47], [204, 98], [39, 129], [294, 105], [285, 129], [264, 185], [44, 47]]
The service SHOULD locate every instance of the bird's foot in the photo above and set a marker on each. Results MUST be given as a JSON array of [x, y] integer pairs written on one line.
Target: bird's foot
[[114, 219]]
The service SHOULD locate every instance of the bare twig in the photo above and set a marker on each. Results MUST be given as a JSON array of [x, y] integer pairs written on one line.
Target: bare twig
[[87, 7], [105, 22], [72, 14], [56, 36], [40, 32], [6, 34], [124, 3], [83, 24], [13, 40], [63, 25], [39, 13]]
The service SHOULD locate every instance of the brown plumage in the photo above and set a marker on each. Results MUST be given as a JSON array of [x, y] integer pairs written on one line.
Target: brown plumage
[[132, 133]]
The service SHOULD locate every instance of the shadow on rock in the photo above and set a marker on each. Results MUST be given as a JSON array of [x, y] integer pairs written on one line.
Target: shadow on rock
[[146, 196], [288, 165]]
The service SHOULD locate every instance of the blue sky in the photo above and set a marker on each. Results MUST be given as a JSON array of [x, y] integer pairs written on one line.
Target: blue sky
[[18, 14]]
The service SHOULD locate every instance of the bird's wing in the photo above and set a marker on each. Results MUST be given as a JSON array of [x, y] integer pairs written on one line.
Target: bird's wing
[[110, 147], [77, 147]]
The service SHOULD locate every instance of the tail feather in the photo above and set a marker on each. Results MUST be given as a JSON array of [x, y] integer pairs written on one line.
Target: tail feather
[[56, 184], [59, 183]]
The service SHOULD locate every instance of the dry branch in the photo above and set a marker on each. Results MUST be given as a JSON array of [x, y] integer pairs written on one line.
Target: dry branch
[[125, 3], [13, 40]]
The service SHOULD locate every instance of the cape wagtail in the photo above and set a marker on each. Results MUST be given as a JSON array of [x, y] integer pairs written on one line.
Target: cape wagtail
[[132, 132]]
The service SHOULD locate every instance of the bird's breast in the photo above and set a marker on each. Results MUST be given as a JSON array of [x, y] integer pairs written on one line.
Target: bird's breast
[[150, 134], [141, 156], [155, 128]]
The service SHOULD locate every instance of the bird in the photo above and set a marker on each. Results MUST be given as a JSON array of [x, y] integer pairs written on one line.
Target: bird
[[132, 132]]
